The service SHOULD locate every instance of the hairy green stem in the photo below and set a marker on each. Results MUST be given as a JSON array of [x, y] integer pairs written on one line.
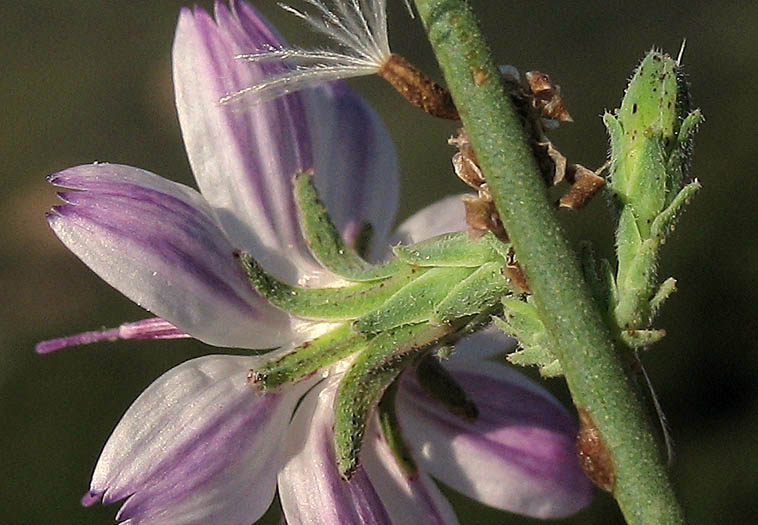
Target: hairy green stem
[[594, 371]]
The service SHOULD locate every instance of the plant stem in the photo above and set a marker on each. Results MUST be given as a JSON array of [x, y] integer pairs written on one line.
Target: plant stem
[[595, 373]]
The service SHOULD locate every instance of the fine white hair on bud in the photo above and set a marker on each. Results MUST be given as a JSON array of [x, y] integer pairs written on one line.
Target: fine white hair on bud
[[359, 27]]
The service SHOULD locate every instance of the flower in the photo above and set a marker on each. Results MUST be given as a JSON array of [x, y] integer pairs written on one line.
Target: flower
[[201, 445]]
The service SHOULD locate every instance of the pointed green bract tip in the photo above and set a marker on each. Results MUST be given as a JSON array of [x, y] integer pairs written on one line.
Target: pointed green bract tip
[[654, 99], [651, 136]]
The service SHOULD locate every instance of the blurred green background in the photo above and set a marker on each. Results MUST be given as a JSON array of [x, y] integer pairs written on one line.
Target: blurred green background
[[84, 81]]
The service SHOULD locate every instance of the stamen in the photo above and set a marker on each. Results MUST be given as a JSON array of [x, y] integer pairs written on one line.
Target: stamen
[[154, 328]]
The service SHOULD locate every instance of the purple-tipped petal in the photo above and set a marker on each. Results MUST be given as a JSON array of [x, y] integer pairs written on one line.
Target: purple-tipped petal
[[310, 488], [154, 328], [159, 243], [200, 445], [444, 216], [356, 165], [411, 499], [243, 156], [519, 455]]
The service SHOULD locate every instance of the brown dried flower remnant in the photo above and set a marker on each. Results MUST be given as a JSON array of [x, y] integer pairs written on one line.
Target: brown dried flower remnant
[[546, 97], [515, 275], [594, 456], [418, 88], [481, 214], [585, 183]]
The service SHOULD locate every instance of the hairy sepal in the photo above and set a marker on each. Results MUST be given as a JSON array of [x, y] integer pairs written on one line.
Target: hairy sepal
[[327, 304], [416, 302], [523, 322], [326, 242], [450, 249], [367, 379]]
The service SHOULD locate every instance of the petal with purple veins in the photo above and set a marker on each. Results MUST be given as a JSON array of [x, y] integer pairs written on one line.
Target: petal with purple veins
[[243, 156], [409, 498], [310, 487], [200, 445], [159, 243], [356, 166], [153, 328], [519, 455]]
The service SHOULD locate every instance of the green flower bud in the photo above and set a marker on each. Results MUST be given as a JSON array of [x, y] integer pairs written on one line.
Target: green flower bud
[[651, 144]]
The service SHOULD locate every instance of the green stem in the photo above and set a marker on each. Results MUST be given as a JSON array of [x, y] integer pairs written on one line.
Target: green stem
[[594, 371]]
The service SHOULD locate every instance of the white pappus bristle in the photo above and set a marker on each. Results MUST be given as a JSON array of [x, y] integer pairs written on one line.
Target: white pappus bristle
[[358, 27]]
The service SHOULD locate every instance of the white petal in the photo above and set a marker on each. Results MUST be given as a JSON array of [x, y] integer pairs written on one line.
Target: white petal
[[519, 454], [409, 499], [200, 445], [160, 244], [310, 488], [356, 166], [243, 157]]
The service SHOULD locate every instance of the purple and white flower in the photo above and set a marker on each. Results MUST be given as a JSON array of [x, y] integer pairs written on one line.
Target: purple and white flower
[[200, 445]]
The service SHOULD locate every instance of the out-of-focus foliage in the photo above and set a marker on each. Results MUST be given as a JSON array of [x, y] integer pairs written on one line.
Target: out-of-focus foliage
[[84, 81]]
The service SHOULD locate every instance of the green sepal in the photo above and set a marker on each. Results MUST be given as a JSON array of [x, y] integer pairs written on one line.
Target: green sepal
[[328, 304], [393, 435], [364, 383], [480, 291], [503, 249], [664, 223], [326, 242], [439, 384], [522, 321], [413, 303], [450, 249], [665, 290], [309, 357]]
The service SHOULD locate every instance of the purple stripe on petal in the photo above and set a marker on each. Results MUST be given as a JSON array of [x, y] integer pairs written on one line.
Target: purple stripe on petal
[[310, 487], [90, 498], [158, 242], [356, 165], [519, 455], [198, 446], [51, 345], [168, 232], [154, 328], [243, 156]]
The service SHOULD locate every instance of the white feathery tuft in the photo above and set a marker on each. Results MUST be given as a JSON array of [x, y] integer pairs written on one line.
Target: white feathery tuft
[[358, 27]]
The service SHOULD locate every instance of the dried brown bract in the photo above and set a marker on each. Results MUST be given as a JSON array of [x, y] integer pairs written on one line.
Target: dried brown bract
[[481, 214], [481, 217], [546, 97], [515, 275], [594, 456], [585, 183]]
